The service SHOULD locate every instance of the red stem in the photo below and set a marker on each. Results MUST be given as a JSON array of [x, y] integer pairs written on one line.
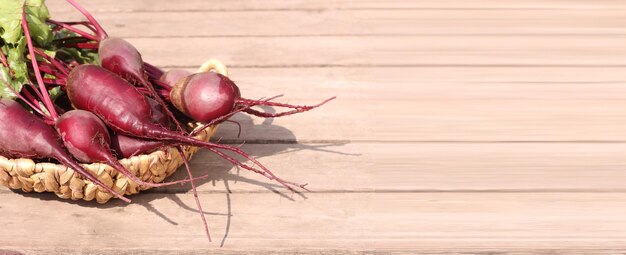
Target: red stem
[[48, 69], [46, 98], [100, 31], [4, 60], [29, 103], [53, 61], [159, 100], [60, 82], [35, 89], [75, 30], [153, 70], [84, 23]]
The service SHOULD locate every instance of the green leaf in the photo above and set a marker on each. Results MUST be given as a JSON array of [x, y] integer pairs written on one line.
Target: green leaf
[[13, 40], [36, 15], [55, 93], [10, 20], [80, 56], [16, 61]]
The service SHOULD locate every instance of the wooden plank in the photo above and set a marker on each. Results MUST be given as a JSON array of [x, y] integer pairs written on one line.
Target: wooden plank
[[418, 167], [433, 251], [263, 221], [404, 167], [360, 22], [438, 104], [409, 221], [201, 5], [387, 51]]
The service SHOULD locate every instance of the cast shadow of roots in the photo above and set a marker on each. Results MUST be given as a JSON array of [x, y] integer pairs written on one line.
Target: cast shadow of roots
[[219, 171]]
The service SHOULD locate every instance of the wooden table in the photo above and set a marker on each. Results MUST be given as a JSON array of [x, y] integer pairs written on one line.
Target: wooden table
[[467, 126]]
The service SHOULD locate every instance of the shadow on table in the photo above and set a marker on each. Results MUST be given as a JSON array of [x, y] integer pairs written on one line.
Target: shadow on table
[[219, 171]]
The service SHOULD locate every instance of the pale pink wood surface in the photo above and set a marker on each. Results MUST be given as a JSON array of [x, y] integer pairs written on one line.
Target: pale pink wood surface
[[460, 126]]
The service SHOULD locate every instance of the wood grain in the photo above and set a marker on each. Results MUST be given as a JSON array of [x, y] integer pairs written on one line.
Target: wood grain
[[375, 51], [470, 127], [318, 5], [422, 167], [412, 221], [360, 22], [439, 104]]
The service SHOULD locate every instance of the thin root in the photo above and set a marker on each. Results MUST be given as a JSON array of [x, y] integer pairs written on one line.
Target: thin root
[[195, 192]]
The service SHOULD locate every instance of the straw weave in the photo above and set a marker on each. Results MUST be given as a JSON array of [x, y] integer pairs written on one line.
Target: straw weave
[[154, 167]]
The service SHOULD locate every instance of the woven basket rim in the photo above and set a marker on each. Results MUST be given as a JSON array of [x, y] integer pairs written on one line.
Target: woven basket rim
[[28, 175]]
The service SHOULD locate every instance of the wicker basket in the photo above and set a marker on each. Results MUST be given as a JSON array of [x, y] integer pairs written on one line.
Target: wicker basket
[[29, 176]]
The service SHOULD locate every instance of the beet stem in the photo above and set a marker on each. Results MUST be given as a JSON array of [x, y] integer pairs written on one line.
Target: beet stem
[[195, 192], [48, 69], [31, 104], [100, 31], [159, 100], [46, 98], [35, 89], [4, 60], [74, 30], [54, 62], [72, 23], [151, 69], [60, 82]]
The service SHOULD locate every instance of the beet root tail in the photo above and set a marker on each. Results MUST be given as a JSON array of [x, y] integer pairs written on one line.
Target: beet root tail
[[297, 108], [177, 138], [195, 192]]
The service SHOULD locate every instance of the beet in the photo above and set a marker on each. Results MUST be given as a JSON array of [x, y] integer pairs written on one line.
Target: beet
[[204, 96], [23, 135], [87, 139]]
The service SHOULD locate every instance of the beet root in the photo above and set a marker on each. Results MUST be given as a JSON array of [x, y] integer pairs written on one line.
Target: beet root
[[87, 139], [204, 96], [172, 76], [126, 146], [123, 108], [22, 134], [210, 96], [122, 58]]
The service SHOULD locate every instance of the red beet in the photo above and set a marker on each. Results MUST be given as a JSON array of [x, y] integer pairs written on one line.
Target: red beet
[[22, 134], [122, 58], [123, 108], [87, 139], [204, 96], [172, 76], [210, 96], [126, 146]]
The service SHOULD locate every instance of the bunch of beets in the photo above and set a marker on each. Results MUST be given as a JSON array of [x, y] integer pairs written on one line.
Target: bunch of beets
[[70, 94]]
